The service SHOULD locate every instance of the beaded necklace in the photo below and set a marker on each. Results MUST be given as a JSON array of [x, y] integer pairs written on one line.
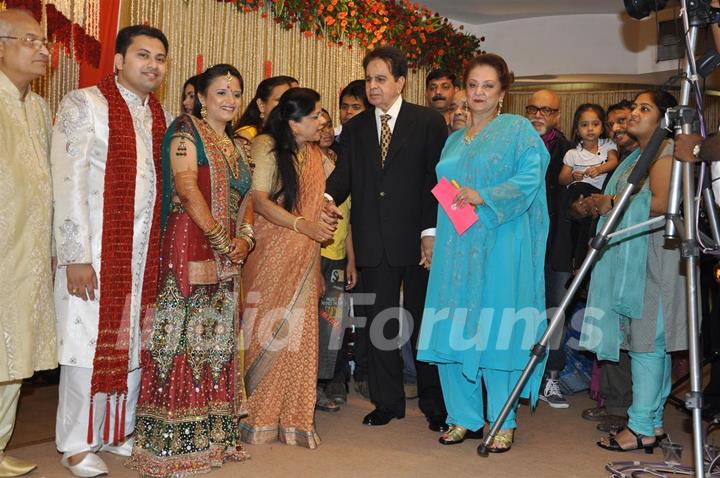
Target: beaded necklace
[[228, 149]]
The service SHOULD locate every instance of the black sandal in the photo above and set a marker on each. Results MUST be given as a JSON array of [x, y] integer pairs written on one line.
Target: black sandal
[[613, 444]]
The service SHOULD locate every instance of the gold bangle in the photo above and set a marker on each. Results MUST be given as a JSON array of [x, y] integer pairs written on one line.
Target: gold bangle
[[247, 229], [245, 232], [222, 248], [249, 239], [295, 223], [218, 236], [219, 239], [216, 229]]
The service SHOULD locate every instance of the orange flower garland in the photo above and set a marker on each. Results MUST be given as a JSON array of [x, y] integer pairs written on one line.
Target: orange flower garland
[[428, 39]]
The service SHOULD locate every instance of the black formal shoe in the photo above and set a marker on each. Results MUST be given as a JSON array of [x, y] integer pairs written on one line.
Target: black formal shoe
[[379, 417], [437, 423]]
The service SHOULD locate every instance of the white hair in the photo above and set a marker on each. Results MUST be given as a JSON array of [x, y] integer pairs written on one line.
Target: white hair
[[9, 18]]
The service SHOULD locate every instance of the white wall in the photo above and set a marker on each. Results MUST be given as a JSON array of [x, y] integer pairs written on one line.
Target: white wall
[[575, 44]]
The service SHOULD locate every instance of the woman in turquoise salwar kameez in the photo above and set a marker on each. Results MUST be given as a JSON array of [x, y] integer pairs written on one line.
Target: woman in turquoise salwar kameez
[[636, 299], [485, 302]]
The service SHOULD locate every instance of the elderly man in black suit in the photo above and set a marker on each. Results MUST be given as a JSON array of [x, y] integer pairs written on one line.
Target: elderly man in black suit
[[387, 162]]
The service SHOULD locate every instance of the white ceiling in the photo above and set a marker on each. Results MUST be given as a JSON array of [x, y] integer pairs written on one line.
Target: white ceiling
[[477, 12]]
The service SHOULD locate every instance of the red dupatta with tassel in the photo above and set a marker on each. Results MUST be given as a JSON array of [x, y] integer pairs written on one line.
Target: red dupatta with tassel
[[110, 365]]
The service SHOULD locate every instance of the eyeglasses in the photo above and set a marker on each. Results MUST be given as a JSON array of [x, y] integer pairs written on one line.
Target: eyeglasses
[[31, 42], [545, 110]]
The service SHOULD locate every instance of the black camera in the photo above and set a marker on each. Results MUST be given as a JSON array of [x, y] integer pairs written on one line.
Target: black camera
[[682, 120], [699, 11], [640, 9]]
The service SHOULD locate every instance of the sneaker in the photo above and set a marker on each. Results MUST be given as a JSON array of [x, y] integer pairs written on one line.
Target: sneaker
[[552, 395]]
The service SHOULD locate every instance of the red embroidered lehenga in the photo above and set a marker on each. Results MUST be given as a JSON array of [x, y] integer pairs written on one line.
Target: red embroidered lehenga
[[192, 396]]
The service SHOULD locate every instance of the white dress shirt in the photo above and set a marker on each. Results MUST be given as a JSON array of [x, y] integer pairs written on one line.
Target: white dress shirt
[[394, 111]]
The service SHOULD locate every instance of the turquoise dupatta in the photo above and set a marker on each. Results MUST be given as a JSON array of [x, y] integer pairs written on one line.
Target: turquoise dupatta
[[617, 286]]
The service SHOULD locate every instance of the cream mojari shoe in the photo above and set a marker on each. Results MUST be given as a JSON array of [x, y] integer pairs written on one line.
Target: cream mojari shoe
[[121, 450], [91, 465], [10, 467]]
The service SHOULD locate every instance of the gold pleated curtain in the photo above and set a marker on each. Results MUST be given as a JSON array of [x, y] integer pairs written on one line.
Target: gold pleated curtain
[[570, 100], [57, 83], [222, 34]]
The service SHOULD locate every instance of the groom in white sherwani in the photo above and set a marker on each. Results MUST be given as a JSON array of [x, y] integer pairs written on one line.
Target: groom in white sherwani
[[105, 159]]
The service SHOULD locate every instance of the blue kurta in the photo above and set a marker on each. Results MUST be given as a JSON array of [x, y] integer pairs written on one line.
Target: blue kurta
[[485, 304]]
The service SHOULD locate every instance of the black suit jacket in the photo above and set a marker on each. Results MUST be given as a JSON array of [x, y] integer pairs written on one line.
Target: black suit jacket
[[558, 255], [391, 206]]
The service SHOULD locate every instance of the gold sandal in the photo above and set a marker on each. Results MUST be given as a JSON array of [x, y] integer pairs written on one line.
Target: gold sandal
[[457, 434], [503, 441]]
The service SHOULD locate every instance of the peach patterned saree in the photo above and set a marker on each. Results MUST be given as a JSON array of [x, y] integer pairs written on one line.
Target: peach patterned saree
[[281, 283]]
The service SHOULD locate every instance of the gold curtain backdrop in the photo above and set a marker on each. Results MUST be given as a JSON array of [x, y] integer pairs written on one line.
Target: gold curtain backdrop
[[57, 83], [222, 34], [570, 100]]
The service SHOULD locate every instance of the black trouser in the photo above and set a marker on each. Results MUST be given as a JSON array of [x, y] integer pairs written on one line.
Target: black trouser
[[359, 349], [333, 309], [616, 385], [554, 292], [385, 365], [581, 230]]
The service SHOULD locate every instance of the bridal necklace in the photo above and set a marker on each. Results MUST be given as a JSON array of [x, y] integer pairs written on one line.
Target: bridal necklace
[[228, 150]]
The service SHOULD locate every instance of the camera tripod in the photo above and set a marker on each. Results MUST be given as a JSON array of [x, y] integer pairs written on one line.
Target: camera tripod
[[682, 119]]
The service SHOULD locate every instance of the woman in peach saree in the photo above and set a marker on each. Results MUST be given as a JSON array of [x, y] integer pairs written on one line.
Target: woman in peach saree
[[281, 279]]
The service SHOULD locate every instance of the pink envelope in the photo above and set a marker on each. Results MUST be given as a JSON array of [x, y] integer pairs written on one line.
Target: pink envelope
[[462, 218]]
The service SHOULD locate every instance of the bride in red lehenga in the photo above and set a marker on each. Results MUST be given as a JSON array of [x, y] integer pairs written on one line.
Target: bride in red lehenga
[[192, 395]]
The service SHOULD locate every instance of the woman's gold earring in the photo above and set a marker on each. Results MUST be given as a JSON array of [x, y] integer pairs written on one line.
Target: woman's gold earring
[[203, 111], [500, 105], [262, 115]]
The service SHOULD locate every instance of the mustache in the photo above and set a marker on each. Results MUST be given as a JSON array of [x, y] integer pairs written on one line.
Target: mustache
[[438, 97]]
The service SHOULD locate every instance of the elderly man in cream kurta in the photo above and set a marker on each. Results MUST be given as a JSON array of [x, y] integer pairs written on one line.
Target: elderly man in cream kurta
[[79, 159], [26, 315]]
